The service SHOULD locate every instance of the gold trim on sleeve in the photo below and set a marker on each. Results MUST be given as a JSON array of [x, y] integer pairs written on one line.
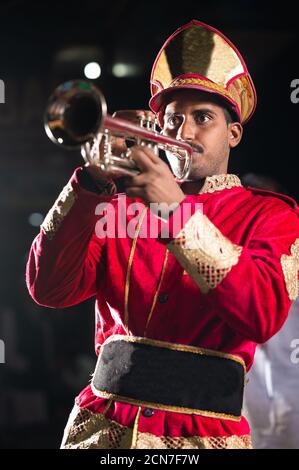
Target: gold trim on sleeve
[[204, 253], [290, 267], [59, 211]]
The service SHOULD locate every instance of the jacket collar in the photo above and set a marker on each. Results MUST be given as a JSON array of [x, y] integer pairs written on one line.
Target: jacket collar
[[219, 182]]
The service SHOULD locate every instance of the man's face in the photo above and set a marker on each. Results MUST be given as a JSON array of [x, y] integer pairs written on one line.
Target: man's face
[[194, 117]]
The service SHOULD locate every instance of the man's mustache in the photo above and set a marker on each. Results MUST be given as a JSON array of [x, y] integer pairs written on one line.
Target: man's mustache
[[197, 148]]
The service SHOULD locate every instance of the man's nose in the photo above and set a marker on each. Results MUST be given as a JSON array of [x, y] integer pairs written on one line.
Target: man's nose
[[186, 131]]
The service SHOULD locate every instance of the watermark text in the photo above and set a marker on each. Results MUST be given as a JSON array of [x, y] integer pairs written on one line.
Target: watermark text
[[122, 220], [295, 353], [2, 92], [295, 93], [2, 352]]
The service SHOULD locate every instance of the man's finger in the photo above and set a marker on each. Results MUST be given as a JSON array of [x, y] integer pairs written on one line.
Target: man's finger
[[142, 157], [145, 157], [135, 181], [134, 192], [151, 154]]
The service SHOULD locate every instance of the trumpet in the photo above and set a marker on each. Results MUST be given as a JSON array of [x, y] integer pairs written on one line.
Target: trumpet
[[76, 118]]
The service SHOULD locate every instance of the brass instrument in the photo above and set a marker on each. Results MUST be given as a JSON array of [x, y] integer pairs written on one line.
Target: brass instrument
[[76, 118]]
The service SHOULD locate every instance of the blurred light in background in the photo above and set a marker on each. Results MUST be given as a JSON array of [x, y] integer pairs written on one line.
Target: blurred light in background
[[78, 53], [92, 70], [120, 69], [77, 61], [35, 219]]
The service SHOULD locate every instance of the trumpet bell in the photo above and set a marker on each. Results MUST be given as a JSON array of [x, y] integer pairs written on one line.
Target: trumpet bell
[[74, 113]]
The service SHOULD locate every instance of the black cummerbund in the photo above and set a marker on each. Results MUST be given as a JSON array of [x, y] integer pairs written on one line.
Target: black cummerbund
[[168, 376]]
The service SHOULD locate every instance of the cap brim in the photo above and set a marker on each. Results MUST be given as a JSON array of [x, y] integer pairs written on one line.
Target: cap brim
[[158, 100]]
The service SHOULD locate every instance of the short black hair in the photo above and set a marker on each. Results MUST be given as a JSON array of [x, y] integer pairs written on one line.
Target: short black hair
[[228, 116]]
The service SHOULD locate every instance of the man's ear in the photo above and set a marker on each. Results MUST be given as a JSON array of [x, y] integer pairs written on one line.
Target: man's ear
[[235, 132]]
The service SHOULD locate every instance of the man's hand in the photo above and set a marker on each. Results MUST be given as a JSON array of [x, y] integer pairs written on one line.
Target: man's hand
[[155, 183], [118, 144], [132, 115]]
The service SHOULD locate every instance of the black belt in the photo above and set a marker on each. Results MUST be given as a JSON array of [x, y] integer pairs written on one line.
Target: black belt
[[169, 376]]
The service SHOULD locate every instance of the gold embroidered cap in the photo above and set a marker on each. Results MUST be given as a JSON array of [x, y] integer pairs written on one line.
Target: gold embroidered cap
[[198, 56]]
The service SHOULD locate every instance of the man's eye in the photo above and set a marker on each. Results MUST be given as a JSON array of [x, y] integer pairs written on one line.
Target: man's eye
[[173, 121], [202, 118]]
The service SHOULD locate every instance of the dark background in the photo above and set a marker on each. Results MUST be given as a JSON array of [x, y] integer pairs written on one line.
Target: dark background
[[49, 353]]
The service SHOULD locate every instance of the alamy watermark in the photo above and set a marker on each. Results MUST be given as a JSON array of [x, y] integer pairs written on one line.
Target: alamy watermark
[[295, 93], [121, 220], [295, 353], [2, 92], [2, 351]]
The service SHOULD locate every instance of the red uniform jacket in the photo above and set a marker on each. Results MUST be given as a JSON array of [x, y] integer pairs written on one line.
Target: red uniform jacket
[[231, 289]]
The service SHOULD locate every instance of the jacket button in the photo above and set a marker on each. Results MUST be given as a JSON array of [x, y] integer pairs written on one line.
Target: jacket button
[[163, 298], [148, 412]]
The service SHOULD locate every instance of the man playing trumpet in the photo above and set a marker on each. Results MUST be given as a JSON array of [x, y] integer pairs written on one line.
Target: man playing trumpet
[[178, 316]]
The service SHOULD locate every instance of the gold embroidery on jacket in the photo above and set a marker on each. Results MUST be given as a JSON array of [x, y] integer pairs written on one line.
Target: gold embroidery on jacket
[[87, 430], [128, 274], [290, 267], [149, 441], [204, 252], [135, 429], [60, 209], [157, 292], [220, 182], [128, 277]]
